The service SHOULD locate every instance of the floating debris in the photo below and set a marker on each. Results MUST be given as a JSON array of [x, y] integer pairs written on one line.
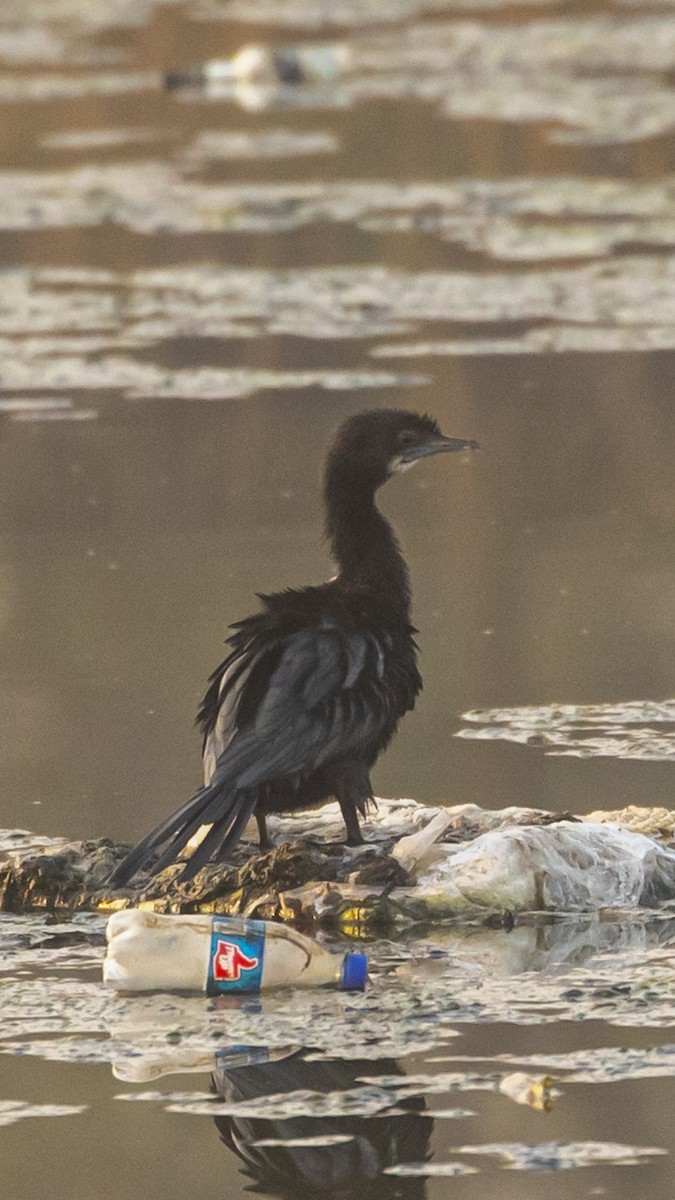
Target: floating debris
[[214, 146], [144, 381], [22, 841], [35, 405], [95, 139], [12, 1111], [496, 863], [287, 65], [568, 72], [16, 88], [77, 15], [598, 307], [555, 339], [36, 416], [562, 1156], [637, 729], [312, 13], [431, 1170], [597, 1064], [528, 1089], [577, 217]]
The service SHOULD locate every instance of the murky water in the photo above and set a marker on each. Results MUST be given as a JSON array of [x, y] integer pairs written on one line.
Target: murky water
[[474, 215]]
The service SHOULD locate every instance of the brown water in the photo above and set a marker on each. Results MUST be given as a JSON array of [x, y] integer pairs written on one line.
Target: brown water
[[476, 218]]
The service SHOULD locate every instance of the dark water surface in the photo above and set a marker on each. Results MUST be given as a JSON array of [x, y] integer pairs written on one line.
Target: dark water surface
[[475, 216]]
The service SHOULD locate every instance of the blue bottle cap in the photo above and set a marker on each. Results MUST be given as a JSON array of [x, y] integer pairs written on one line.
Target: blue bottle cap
[[354, 972]]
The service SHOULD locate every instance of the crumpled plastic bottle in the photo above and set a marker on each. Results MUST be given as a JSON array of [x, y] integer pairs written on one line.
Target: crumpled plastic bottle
[[219, 955]]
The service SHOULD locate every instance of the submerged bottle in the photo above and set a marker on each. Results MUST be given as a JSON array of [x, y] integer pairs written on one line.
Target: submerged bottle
[[153, 952]]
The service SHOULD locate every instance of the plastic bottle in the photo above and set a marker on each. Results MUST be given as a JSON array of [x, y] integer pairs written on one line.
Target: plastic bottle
[[152, 952], [305, 64]]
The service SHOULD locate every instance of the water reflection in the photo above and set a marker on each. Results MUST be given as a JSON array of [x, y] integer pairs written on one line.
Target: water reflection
[[335, 1155], [424, 992]]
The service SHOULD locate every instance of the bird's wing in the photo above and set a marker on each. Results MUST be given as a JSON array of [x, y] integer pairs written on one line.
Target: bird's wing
[[219, 710], [315, 695]]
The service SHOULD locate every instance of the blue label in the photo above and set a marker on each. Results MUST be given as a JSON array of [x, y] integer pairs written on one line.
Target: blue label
[[241, 1056], [236, 958]]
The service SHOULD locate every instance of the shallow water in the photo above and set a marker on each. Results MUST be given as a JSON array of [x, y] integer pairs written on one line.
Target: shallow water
[[476, 216]]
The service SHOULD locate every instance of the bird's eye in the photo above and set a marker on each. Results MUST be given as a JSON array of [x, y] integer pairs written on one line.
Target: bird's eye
[[407, 437]]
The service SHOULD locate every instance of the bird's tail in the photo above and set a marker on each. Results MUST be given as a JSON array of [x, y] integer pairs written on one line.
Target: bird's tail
[[217, 805]]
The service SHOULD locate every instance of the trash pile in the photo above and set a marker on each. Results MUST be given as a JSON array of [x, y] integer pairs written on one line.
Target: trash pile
[[419, 865]]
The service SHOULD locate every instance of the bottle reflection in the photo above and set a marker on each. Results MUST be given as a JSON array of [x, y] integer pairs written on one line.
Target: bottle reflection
[[328, 1154]]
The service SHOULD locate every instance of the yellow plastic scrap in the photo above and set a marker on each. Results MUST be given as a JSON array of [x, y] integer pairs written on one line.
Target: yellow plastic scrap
[[352, 922], [115, 904], [195, 841]]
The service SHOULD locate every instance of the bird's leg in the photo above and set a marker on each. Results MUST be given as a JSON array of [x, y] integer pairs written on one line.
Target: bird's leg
[[263, 835], [353, 792], [354, 835]]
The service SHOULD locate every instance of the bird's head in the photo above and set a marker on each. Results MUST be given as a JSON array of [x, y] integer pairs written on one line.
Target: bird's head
[[371, 446]]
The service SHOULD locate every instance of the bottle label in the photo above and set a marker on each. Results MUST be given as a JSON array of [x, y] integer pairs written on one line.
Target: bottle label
[[236, 958], [241, 1056]]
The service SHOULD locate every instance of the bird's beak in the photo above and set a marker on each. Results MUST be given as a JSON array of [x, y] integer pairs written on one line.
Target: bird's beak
[[437, 445]]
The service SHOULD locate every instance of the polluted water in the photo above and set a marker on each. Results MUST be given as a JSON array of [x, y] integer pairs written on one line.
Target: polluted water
[[224, 228]]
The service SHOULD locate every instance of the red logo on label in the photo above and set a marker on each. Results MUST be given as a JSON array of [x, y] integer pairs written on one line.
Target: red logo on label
[[229, 961]]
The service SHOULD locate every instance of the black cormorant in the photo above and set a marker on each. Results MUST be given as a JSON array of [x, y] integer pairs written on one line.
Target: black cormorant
[[316, 682]]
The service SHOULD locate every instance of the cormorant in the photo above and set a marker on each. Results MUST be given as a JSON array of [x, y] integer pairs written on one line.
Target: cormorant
[[315, 683]]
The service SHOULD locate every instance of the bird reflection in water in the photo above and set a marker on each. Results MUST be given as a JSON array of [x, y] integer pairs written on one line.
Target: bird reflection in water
[[332, 1155]]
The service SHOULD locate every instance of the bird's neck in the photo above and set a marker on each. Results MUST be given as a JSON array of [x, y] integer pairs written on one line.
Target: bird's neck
[[364, 546]]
